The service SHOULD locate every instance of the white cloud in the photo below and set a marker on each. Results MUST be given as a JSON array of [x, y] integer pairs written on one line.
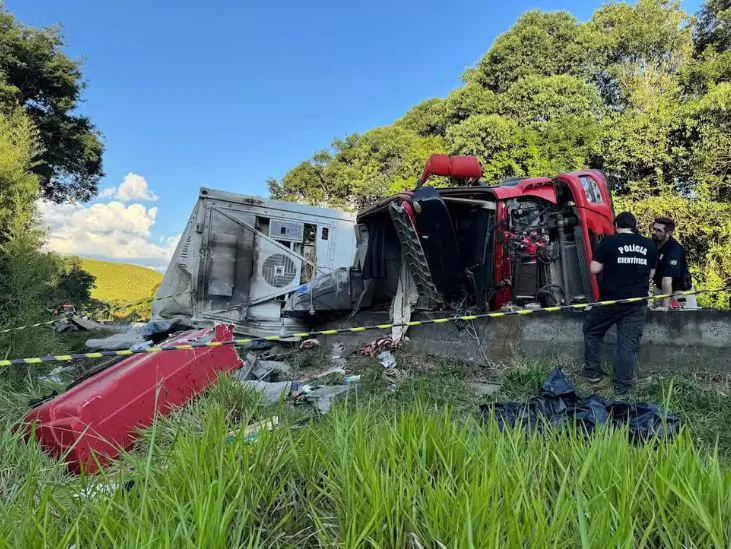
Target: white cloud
[[110, 230], [108, 192], [133, 187]]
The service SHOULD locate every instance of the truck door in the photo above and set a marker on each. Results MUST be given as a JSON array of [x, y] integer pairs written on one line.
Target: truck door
[[593, 207]]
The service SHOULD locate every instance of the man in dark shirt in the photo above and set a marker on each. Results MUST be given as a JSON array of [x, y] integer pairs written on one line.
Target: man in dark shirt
[[625, 262], [672, 274]]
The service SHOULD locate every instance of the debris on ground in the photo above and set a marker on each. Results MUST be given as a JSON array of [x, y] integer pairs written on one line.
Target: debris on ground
[[336, 358], [117, 342], [160, 330], [260, 345], [324, 397], [271, 391], [376, 346], [251, 431], [394, 376], [483, 388], [267, 368], [93, 490], [309, 344], [55, 376], [337, 350], [387, 359], [77, 323], [558, 405], [250, 361]]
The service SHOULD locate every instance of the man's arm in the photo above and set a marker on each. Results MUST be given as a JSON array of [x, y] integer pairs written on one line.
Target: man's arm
[[597, 262], [667, 288], [672, 268], [652, 260]]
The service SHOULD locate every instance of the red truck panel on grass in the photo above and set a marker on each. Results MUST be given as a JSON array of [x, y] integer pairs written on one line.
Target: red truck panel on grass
[[102, 415]]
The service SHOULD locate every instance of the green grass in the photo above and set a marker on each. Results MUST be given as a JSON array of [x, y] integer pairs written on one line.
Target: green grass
[[410, 468], [121, 282]]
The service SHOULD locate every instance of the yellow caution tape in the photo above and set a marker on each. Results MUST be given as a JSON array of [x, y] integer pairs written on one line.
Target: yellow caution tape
[[36, 325], [357, 329]]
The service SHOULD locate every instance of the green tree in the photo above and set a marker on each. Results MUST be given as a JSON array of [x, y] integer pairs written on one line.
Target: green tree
[[426, 119], [306, 183], [46, 83], [708, 141], [535, 100], [504, 149], [642, 146], [361, 169], [539, 43], [74, 285], [567, 144], [627, 41], [18, 186], [469, 100], [714, 26], [27, 275]]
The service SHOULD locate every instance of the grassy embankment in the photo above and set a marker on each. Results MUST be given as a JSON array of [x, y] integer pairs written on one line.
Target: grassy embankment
[[414, 468]]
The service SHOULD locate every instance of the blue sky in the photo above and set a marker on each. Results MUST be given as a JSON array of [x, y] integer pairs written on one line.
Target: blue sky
[[226, 93]]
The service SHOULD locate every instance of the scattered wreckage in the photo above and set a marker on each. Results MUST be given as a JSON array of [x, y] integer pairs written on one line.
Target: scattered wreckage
[[236, 262], [263, 267]]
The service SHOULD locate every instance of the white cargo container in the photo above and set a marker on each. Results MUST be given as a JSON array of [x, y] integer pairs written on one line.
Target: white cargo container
[[240, 256]]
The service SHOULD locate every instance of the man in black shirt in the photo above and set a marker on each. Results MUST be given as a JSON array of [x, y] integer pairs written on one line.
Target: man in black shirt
[[626, 262], [672, 274]]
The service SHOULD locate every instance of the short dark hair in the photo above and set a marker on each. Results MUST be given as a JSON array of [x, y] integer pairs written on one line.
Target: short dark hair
[[626, 220], [667, 222]]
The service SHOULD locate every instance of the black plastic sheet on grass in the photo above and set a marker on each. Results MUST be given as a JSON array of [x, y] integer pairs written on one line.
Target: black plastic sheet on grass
[[558, 405]]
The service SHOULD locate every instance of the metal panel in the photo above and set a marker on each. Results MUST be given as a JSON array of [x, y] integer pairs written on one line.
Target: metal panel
[[223, 265], [290, 231]]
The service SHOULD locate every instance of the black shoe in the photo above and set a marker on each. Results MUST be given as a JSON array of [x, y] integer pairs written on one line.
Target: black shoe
[[592, 376]]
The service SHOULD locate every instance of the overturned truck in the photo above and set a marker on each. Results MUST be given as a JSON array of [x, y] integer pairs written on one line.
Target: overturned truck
[[524, 242]]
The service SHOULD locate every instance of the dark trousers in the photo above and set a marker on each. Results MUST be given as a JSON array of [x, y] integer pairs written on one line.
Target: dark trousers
[[630, 321]]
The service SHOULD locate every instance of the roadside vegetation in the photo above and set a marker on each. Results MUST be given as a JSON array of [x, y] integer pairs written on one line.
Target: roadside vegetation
[[417, 467]]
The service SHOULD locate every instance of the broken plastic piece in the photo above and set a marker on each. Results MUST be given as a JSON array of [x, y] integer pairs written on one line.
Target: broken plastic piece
[[337, 350], [387, 359], [271, 391], [324, 397], [159, 330], [117, 342]]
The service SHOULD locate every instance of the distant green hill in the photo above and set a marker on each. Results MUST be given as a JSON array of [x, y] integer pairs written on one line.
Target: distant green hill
[[121, 282]]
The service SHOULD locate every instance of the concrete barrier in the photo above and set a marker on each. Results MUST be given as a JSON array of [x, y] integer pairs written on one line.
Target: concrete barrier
[[672, 341]]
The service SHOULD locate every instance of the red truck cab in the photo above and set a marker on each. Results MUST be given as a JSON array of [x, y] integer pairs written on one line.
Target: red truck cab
[[525, 241]]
